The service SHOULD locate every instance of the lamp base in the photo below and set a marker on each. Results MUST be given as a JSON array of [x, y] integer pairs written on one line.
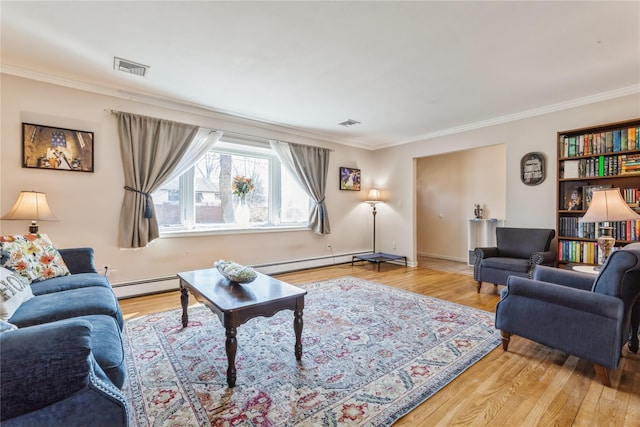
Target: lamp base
[[33, 228], [606, 242]]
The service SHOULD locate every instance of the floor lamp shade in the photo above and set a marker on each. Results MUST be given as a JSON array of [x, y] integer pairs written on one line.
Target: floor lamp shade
[[374, 196], [33, 206], [607, 205]]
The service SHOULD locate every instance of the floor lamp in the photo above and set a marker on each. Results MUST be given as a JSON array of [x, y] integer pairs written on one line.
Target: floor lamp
[[607, 205], [373, 198]]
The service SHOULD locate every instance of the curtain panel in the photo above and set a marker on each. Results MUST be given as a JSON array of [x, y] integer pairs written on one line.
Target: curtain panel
[[309, 166], [153, 151]]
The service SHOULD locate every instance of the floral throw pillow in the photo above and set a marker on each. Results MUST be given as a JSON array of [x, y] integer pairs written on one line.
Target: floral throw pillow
[[14, 290], [33, 256]]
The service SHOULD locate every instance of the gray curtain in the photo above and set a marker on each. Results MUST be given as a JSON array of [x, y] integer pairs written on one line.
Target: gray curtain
[[151, 150], [309, 166]]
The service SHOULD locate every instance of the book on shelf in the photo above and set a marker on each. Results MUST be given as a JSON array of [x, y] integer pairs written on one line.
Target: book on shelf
[[571, 169]]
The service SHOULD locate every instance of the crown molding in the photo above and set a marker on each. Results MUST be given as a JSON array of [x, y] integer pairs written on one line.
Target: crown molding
[[202, 110], [177, 105], [565, 105]]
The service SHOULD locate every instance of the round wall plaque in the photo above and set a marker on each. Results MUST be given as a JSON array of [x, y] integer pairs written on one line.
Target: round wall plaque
[[532, 168]]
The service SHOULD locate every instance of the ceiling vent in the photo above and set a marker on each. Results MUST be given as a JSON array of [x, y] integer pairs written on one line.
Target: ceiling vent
[[130, 67], [349, 122]]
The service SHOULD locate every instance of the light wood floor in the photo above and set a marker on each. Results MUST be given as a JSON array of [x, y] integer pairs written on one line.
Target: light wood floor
[[530, 385]]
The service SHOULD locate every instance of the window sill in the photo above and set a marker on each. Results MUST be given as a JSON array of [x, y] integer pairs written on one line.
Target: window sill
[[226, 231]]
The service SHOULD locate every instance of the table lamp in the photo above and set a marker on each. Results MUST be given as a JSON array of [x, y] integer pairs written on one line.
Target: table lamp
[[31, 205], [607, 205]]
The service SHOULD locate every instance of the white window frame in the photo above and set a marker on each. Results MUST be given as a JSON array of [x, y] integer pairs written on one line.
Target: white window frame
[[188, 225]]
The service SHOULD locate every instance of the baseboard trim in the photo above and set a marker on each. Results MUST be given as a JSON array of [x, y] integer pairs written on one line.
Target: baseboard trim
[[155, 285]]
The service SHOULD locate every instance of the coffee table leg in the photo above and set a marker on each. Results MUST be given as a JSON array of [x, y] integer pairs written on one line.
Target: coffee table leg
[[184, 300], [297, 327], [231, 346]]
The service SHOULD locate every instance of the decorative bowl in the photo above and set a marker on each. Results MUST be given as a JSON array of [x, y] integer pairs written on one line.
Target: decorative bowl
[[235, 272]]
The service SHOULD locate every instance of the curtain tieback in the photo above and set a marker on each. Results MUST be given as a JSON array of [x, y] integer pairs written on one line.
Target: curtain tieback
[[147, 196]]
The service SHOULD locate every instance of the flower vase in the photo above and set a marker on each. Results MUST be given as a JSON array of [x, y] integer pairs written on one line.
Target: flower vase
[[242, 213]]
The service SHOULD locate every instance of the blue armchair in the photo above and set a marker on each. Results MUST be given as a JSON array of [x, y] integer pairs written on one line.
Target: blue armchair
[[517, 252], [578, 314]]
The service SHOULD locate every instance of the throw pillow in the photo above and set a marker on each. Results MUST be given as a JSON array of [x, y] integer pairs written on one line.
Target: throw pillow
[[33, 256], [14, 290]]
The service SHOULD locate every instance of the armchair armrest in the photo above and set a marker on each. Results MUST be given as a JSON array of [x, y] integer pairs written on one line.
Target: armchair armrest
[[543, 258], [569, 278], [565, 296], [43, 364], [79, 260], [482, 253]]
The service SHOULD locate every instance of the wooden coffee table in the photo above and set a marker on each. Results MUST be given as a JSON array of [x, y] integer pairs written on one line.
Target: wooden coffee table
[[236, 303]]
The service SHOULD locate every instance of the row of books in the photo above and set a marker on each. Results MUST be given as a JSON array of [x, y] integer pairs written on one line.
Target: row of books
[[624, 164], [611, 141], [622, 230], [579, 252]]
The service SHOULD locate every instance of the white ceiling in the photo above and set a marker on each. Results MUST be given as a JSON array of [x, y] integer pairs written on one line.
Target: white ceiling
[[407, 70]]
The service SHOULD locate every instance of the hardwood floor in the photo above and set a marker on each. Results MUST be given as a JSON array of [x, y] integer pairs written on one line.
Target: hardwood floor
[[530, 385]]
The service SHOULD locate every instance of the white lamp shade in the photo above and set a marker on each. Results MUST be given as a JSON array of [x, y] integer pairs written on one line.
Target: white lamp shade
[[31, 205], [373, 196], [608, 205]]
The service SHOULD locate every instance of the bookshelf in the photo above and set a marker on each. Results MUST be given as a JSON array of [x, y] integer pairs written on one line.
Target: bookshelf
[[605, 156]]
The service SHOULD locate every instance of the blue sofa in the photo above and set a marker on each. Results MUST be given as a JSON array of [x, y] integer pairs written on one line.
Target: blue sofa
[[64, 365]]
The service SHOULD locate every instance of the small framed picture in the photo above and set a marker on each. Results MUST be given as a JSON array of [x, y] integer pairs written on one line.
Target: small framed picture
[[349, 179], [532, 168], [587, 194], [45, 147]]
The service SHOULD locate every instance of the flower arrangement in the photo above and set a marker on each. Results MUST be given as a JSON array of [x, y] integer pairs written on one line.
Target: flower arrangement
[[241, 186], [235, 272]]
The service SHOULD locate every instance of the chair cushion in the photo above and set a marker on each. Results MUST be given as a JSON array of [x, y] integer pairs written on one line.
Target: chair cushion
[[66, 304], [14, 290], [106, 345], [516, 265], [74, 281], [522, 242]]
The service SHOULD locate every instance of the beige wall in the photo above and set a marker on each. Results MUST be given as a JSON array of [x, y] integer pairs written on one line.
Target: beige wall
[[448, 186], [526, 206], [88, 204]]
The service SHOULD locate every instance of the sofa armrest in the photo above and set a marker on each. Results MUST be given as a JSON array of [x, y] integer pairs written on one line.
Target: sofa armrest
[[569, 278], [543, 258], [79, 260], [43, 364]]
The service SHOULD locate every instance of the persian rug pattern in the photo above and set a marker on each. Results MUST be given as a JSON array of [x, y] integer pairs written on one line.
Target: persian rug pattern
[[371, 353]]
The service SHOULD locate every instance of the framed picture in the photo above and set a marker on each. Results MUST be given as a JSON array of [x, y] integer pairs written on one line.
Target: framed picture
[[587, 194], [349, 179], [45, 147], [572, 195]]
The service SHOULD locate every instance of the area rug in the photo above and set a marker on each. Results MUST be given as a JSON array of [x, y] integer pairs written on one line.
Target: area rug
[[371, 353]]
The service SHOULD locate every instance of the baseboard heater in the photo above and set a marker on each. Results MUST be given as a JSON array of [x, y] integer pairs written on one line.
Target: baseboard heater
[[168, 283]]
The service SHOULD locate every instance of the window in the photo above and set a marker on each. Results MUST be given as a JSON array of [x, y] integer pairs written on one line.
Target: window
[[202, 198]]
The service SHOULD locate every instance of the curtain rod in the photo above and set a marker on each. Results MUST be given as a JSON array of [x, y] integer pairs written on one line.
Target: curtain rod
[[110, 111]]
